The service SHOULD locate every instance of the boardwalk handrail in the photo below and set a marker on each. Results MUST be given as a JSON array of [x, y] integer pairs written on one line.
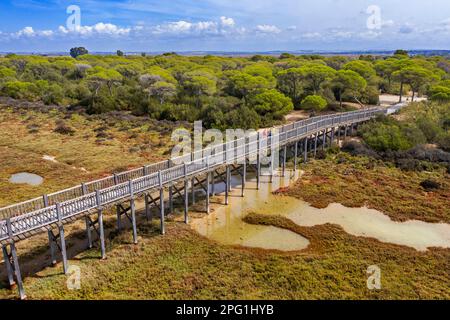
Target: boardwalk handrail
[[40, 212]]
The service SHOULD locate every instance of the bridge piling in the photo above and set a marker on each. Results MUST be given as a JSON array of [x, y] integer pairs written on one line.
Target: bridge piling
[[213, 182], [161, 203], [87, 220], [101, 234], [305, 155], [133, 220], [332, 136], [227, 182], [171, 199], [148, 214], [119, 217], [244, 176], [9, 267], [101, 231], [284, 161], [12, 262], [51, 243], [208, 190], [62, 239], [193, 190], [186, 202], [324, 139], [258, 161], [316, 138]]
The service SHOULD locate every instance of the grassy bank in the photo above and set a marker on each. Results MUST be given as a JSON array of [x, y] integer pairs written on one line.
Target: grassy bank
[[184, 265], [84, 148], [360, 181]]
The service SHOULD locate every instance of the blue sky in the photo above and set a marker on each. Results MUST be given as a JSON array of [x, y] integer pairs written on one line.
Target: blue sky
[[225, 25]]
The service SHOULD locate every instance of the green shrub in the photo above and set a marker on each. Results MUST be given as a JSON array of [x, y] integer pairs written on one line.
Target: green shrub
[[19, 89], [314, 102], [384, 137]]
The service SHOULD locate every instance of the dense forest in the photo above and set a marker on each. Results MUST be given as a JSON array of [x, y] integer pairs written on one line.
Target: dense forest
[[222, 91]]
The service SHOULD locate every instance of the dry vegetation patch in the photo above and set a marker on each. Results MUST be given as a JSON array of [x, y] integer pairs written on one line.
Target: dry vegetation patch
[[358, 181]]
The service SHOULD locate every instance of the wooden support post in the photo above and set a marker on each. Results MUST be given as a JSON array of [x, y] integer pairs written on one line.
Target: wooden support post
[[133, 220], [102, 234], [258, 163], [9, 267], [324, 139], [88, 232], [100, 225], [227, 182], [332, 137], [244, 177], [295, 155], [213, 183], [17, 271], [186, 202], [62, 239], [148, 213], [14, 261], [315, 144], [133, 211], [208, 191], [272, 157], [161, 203], [186, 196], [170, 199], [193, 190], [284, 161], [229, 179], [45, 200], [119, 218], [305, 156], [339, 135], [345, 132], [51, 242]]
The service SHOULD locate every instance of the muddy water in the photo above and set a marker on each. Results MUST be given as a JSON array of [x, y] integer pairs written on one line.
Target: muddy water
[[26, 178], [225, 225]]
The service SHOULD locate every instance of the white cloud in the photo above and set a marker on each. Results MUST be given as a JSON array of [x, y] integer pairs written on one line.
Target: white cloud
[[99, 28], [227, 22], [47, 33], [206, 26], [179, 26], [370, 34], [342, 34], [223, 26], [265, 28], [27, 31], [311, 35]]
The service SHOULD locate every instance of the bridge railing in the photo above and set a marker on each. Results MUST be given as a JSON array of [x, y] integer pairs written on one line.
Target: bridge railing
[[122, 185]]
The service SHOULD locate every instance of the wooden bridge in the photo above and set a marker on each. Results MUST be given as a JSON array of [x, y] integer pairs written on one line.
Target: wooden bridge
[[178, 176]]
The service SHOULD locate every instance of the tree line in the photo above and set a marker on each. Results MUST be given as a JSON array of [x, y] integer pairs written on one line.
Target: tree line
[[245, 92]]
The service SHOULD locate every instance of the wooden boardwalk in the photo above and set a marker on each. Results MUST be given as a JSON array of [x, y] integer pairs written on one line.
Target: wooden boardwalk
[[88, 201]]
